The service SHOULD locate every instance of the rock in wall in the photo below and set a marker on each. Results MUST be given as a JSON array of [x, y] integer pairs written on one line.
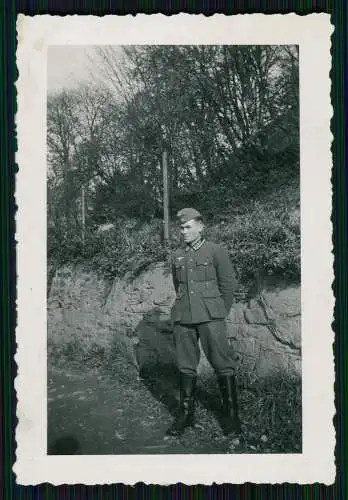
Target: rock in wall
[[84, 309], [266, 332]]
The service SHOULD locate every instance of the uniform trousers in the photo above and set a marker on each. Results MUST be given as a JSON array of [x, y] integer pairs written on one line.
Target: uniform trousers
[[214, 342]]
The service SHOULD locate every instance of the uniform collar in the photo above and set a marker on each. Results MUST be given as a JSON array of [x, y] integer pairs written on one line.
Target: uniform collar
[[196, 245]]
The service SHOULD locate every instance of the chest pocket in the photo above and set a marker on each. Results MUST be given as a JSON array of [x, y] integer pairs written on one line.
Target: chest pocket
[[204, 269]]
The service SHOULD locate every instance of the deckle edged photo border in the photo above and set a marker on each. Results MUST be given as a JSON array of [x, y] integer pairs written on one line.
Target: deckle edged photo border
[[339, 238]]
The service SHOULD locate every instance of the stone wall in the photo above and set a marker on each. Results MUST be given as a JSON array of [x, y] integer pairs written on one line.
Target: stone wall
[[86, 310]]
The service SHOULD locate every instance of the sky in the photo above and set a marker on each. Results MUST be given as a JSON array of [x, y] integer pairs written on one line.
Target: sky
[[67, 66]]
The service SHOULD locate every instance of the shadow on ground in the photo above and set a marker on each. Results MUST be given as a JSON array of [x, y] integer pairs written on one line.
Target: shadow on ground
[[67, 445], [162, 383]]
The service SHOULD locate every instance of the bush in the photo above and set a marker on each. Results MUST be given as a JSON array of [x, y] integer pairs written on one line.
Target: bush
[[127, 249], [263, 241]]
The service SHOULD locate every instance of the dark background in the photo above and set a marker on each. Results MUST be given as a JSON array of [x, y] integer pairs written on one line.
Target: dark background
[[8, 272]]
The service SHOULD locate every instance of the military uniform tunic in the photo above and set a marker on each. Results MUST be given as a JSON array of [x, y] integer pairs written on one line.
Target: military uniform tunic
[[205, 283]]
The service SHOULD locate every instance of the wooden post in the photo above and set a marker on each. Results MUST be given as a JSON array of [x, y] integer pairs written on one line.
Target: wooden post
[[165, 199], [83, 214]]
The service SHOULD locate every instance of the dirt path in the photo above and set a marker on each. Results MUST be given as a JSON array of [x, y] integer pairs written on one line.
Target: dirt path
[[110, 410], [103, 413]]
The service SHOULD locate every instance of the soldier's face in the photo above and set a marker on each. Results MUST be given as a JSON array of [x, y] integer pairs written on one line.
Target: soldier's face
[[191, 230]]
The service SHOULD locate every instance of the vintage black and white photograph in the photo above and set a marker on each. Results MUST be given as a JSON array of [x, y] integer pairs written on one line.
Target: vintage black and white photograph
[[176, 270]]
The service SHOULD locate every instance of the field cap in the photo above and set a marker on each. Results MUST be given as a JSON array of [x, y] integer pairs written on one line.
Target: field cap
[[187, 214]]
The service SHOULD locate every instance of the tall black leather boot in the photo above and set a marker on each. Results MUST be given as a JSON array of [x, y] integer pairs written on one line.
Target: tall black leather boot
[[231, 422], [185, 416]]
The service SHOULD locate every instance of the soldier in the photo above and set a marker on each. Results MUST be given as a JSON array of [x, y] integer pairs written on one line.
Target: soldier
[[205, 283]]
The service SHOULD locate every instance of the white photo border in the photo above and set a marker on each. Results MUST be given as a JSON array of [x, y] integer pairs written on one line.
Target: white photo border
[[312, 34]]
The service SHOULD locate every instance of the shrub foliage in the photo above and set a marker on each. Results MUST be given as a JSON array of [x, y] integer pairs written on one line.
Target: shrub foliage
[[263, 242]]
